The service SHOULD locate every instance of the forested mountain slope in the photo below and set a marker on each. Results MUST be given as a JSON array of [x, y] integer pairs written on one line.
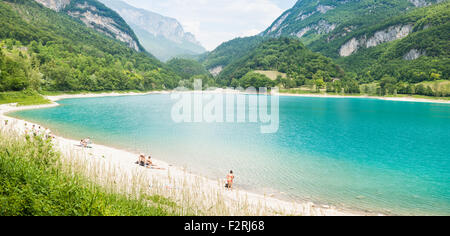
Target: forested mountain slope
[[46, 50], [422, 55], [97, 16], [400, 40], [287, 55], [326, 25], [228, 52]]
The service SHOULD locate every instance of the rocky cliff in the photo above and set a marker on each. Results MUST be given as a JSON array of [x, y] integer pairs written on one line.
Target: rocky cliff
[[390, 34], [328, 25], [97, 16], [56, 5]]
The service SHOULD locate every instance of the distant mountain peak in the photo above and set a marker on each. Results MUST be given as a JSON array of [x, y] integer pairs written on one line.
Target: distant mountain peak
[[163, 36]]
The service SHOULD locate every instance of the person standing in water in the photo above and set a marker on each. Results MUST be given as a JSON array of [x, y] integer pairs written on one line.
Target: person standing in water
[[230, 178]]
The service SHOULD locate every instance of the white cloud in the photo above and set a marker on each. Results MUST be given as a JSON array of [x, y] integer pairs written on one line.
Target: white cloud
[[191, 26], [216, 21]]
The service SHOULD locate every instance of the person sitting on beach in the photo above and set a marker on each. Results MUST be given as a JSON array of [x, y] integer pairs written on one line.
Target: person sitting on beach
[[149, 162], [86, 142], [83, 143], [141, 160], [230, 178]]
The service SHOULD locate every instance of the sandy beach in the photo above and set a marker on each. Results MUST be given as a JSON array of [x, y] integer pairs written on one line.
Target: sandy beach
[[174, 177]]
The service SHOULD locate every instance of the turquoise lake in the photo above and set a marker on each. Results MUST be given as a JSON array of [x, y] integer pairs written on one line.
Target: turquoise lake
[[363, 154]]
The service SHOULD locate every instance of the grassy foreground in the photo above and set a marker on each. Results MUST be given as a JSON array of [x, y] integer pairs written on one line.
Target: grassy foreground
[[35, 182], [23, 98]]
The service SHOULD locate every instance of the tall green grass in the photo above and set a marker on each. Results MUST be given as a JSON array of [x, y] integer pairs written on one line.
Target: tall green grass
[[35, 181]]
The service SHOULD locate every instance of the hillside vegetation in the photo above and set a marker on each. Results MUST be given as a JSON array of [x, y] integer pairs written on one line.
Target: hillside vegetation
[[285, 55], [45, 50], [230, 51], [325, 25], [424, 55], [381, 47], [187, 68]]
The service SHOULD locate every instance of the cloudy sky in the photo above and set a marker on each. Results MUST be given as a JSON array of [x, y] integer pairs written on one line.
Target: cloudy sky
[[217, 21]]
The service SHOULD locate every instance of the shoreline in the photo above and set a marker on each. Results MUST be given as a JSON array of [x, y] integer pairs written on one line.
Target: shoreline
[[126, 159], [54, 98], [395, 99]]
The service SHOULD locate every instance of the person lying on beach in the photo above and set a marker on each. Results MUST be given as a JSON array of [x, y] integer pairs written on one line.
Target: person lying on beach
[[149, 162]]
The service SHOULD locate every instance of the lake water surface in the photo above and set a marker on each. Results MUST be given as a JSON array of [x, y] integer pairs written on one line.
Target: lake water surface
[[365, 154]]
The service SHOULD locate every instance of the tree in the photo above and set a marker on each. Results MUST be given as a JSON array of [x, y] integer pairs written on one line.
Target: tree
[[429, 91], [388, 85], [256, 80], [319, 83], [435, 76], [420, 89], [234, 83], [61, 77], [14, 75]]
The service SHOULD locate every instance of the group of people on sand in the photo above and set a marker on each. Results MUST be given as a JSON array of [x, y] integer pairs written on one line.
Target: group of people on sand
[[38, 131], [147, 162], [85, 142]]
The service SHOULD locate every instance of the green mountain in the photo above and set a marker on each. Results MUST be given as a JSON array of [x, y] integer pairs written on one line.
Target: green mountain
[[324, 25], [162, 36], [228, 52], [97, 16], [422, 55], [399, 42], [286, 55], [187, 68], [49, 50]]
